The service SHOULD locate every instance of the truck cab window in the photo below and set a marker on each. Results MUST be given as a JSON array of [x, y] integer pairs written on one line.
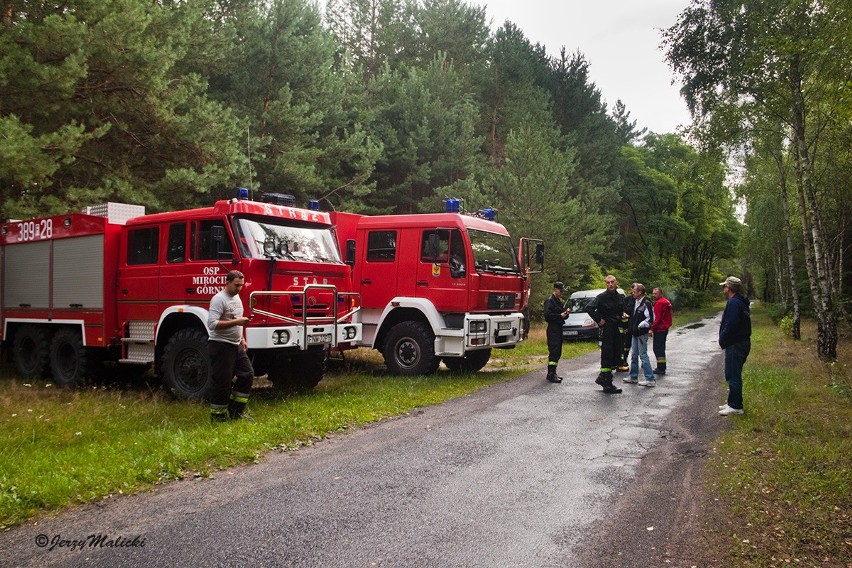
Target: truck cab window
[[202, 246], [176, 249], [381, 246], [143, 245]]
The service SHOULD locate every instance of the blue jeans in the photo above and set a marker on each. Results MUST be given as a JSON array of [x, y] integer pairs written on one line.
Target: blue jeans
[[735, 358], [639, 350]]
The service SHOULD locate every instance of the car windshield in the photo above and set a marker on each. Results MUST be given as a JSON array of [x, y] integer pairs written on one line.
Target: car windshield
[[493, 252], [578, 305], [268, 238]]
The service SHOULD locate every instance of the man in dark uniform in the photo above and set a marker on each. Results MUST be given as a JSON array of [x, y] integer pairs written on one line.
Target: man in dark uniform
[[554, 314], [607, 309]]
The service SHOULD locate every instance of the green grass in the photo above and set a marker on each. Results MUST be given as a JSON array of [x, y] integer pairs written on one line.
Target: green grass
[[58, 448], [785, 471]]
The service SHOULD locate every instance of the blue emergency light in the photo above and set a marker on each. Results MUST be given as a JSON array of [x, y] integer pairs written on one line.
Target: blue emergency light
[[489, 214], [452, 205], [313, 205], [242, 193]]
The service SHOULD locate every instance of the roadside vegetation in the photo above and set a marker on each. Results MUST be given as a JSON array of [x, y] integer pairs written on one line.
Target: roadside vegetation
[[780, 482]]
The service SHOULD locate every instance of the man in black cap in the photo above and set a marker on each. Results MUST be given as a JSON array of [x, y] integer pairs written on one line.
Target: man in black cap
[[735, 339], [554, 314]]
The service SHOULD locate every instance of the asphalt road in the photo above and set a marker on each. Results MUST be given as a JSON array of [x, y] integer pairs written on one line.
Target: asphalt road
[[524, 473]]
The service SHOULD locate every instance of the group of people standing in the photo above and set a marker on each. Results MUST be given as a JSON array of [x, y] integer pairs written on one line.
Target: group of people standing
[[626, 323]]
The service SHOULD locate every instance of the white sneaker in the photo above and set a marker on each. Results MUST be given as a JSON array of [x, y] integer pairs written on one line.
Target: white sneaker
[[723, 406], [727, 410], [647, 383]]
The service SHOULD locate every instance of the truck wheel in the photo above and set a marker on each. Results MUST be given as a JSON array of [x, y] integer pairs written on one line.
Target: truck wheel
[[186, 364], [298, 373], [410, 349], [470, 363], [32, 352], [69, 359], [308, 369]]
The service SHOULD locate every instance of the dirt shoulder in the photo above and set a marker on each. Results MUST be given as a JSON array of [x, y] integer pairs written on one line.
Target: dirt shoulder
[[666, 515]]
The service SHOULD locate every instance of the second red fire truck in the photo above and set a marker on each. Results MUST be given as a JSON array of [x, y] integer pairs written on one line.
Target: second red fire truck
[[115, 284], [438, 287]]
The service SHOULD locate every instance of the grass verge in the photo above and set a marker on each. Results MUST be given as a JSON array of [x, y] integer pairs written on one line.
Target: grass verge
[[782, 475]]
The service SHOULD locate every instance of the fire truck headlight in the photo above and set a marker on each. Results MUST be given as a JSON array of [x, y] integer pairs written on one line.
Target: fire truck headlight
[[478, 327], [280, 337], [349, 332], [269, 246]]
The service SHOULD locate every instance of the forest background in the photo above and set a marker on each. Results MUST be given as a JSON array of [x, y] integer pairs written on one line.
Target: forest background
[[392, 106]]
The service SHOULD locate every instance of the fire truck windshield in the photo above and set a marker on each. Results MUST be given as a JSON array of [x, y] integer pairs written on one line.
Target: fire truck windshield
[[269, 238], [493, 252]]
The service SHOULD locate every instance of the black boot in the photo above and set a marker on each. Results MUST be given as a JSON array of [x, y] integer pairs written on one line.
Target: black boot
[[601, 379], [218, 417], [237, 411], [610, 388], [551, 375]]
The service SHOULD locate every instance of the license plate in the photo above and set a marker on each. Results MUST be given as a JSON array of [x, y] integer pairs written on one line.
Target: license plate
[[570, 333], [322, 338]]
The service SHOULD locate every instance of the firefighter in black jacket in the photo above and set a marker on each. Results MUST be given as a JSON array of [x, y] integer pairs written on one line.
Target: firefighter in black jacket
[[554, 314], [607, 309]]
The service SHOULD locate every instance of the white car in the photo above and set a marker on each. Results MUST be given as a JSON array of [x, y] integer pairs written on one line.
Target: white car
[[579, 325]]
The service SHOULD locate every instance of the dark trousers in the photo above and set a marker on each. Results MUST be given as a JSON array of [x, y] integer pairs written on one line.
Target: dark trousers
[[611, 347], [626, 343], [227, 361], [735, 357], [554, 345], [660, 348]]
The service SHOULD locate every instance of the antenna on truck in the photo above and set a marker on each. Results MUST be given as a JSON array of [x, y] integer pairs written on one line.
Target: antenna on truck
[[248, 148]]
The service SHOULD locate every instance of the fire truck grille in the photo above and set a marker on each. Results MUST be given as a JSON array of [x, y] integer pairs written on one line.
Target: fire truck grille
[[501, 301]]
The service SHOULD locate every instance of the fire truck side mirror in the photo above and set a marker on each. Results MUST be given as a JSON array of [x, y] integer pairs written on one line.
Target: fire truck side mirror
[[350, 252], [217, 234], [434, 246], [217, 238], [539, 254]]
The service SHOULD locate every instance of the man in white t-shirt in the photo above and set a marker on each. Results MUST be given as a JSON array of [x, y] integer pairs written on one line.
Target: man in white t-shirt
[[227, 347]]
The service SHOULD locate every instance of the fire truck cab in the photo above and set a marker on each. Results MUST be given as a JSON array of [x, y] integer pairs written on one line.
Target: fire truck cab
[[436, 287], [80, 288]]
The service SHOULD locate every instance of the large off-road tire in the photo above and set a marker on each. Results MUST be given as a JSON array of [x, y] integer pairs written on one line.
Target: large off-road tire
[[69, 359], [298, 373], [470, 363], [31, 351], [186, 365], [410, 349]]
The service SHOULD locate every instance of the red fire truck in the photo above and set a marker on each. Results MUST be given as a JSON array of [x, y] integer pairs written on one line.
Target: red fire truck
[[113, 284], [437, 287]]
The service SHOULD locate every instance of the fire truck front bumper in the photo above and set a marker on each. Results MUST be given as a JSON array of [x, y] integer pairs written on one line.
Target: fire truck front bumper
[[480, 331], [303, 337]]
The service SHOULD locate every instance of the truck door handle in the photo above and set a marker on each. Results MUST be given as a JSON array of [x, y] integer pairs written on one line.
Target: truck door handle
[[366, 281], [422, 283], [190, 290], [125, 291]]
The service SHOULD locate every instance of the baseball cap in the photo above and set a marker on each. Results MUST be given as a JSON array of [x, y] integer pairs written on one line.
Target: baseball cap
[[559, 285], [731, 282]]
